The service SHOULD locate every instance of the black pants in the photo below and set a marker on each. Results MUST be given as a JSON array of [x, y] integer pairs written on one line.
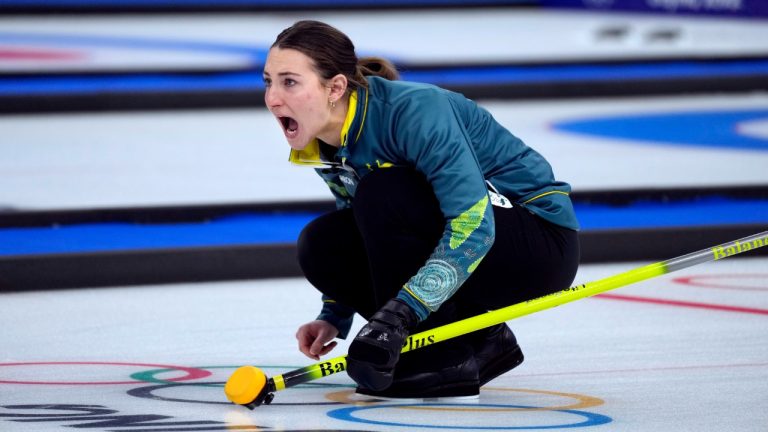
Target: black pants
[[362, 256]]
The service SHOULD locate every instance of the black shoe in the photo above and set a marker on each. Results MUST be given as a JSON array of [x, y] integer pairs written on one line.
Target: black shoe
[[496, 352], [446, 370]]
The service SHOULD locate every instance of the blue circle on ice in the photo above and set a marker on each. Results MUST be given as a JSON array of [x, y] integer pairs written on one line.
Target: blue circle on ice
[[721, 129], [347, 414]]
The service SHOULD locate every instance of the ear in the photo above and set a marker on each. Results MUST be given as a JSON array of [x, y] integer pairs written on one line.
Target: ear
[[338, 87]]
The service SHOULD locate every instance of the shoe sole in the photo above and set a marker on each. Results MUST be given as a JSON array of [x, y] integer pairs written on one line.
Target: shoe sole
[[501, 365], [457, 390], [416, 399], [427, 397]]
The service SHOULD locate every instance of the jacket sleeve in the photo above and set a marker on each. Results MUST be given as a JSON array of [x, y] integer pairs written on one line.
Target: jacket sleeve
[[338, 315], [430, 135]]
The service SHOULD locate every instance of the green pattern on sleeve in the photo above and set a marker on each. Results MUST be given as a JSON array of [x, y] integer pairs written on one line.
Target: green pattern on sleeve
[[474, 265], [466, 223]]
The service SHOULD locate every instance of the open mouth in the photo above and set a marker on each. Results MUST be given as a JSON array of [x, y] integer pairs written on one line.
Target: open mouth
[[290, 126]]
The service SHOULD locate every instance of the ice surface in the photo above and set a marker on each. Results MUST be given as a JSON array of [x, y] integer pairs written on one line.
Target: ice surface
[[112, 358]]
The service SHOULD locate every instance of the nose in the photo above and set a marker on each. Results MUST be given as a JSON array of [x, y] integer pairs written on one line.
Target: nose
[[272, 98]]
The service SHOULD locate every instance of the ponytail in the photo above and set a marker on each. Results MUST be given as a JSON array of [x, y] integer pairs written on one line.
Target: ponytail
[[378, 66], [373, 66]]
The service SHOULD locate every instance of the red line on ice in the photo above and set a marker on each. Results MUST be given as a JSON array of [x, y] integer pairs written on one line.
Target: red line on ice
[[702, 281], [681, 303]]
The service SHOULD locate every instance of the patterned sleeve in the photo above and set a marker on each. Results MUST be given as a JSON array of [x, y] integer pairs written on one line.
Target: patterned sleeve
[[432, 138]]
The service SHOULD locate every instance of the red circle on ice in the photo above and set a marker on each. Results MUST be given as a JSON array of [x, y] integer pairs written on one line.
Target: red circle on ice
[[191, 373], [7, 54]]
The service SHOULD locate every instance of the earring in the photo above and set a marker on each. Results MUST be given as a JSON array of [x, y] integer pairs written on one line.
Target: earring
[[333, 104]]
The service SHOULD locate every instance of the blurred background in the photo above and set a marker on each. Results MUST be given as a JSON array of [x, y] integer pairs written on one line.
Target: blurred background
[[135, 147]]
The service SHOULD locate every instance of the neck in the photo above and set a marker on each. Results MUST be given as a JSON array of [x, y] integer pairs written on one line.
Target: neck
[[332, 133]]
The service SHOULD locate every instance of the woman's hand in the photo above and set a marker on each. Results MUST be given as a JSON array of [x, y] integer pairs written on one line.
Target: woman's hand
[[376, 348], [314, 338]]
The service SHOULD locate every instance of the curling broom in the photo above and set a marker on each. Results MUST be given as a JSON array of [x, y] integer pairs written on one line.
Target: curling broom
[[249, 386]]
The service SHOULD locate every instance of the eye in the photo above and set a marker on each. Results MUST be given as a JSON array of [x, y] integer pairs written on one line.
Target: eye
[[267, 82], [289, 82]]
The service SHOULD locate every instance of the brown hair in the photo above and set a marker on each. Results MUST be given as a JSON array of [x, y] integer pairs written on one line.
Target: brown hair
[[333, 53]]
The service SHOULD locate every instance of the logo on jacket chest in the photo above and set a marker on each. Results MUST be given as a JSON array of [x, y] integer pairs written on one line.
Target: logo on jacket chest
[[350, 182]]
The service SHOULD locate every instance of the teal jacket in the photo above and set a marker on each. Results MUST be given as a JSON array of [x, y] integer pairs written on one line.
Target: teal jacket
[[466, 156]]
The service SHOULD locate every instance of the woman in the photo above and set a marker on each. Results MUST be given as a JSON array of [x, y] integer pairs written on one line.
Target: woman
[[442, 214]]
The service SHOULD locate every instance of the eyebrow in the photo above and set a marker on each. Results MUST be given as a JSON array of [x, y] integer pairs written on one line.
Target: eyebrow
[[283, 74]]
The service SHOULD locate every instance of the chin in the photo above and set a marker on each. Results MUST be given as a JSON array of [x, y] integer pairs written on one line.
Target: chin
[[298, 144]]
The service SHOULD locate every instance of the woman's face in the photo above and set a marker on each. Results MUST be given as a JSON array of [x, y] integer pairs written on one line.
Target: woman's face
[[297, 96]]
